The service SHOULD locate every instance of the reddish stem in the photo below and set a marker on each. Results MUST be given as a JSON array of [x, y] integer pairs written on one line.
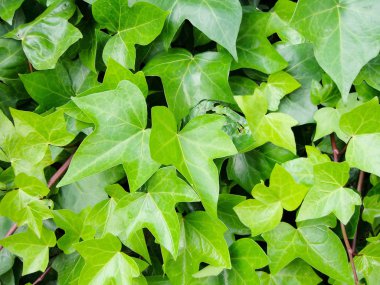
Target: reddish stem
[[360, 189], [336, 154], [30, 67], [42, 276]]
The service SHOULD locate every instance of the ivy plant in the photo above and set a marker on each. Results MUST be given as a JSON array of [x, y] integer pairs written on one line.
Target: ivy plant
[[189, 142]]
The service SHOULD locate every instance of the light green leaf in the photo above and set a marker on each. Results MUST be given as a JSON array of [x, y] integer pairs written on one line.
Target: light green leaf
[[279, 84], [192, 150], [273, 127], [371, 203], [363, 125], [53, 33], [8, 9], [328, 194], [253, 48], [340, 51], [222, 25], [317, 245], [72, 224], [24, 206], [264, 213], [189, 79], [368, 262], [155, 209], [33, 250], [139, 24], [297, 273], [104, 263], [370, 73], [326, 94], [118, 137]]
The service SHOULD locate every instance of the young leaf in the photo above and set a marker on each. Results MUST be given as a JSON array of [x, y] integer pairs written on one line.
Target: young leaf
[[24, 206], [53, 33], [189, 79], [317, 245], [33, 250], [367, 262], [155, 209], [139, 24], [336, 49], [192, 150], [328, 194], [105, 263], [264, 213], [119, 136], [273, 127]]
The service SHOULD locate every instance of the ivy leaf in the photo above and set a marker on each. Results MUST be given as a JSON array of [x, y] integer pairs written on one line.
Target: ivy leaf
[[297, 272], [189, 79], [24, 206], [363, 125], [371, 203], [336, 49], [264, 213], [370, 73], [72, 224], [119, 137], [105, 263], [367, 262], [68, 267], [253, 48], [246, 256], [33, 250], [12, 59], [317, 245], [139, 24], [192, 150], [279, 84], [222, 25], [155, 209], [8, 9], [47, 37], [249, 168], [273, 127], [328, 194]]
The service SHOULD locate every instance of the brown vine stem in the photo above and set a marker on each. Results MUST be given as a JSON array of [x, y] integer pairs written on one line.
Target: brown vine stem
[[42, 276], [30, 67], [58, 174], [360, 189], [336, 154]]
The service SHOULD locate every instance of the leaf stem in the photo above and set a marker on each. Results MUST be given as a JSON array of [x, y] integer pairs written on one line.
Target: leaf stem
[[359, 188], [58, 174], [336, 154], [30, 67], [42, 276]]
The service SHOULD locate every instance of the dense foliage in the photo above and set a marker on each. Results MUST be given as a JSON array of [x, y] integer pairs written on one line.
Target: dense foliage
[[205, 142]]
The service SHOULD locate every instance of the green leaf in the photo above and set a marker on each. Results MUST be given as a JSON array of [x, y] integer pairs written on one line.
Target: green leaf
[[249, 168], [264, 213], [48, 36], [139, 24], [367, 262], [8, 9], [363, 125], [297, 272], [370, 73], [192, 150], [328, 194], [72, 224], [326, 24], [105, 263], [317, 245], [155, 209], [273, 127], [12, 59], [253, 48], [68, 267], [371, 203], [246, 256], [279, 84], [119, 137], [189, 79], [222, 25], [33, 250], [24, 205]]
